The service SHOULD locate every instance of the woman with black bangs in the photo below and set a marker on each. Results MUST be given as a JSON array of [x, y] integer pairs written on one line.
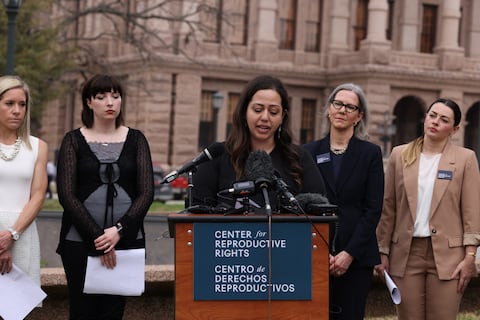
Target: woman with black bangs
[[105, 185]]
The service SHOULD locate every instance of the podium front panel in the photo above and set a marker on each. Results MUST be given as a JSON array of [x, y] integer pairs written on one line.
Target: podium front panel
[[188, 307], [244, 261]]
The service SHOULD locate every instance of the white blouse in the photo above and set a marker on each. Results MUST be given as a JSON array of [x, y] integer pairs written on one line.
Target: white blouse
[[427, 173]]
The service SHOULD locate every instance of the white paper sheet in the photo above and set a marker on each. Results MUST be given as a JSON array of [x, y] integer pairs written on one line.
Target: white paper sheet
[[126, 279], [392, 289], [18, 294]]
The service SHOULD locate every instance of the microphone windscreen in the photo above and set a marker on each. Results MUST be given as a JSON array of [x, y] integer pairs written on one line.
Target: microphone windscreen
[[215, 149], [315, 203], [259, 165]]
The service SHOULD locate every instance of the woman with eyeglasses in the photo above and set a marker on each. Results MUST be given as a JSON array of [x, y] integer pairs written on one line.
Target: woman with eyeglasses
[[430, 226], [352, 169]]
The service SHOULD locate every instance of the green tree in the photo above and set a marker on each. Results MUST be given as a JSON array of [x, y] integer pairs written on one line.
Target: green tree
[[59, 43], [39, 59]]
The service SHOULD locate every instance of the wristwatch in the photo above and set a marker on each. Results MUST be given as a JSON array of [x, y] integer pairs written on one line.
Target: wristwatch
[[15, 234], [119, 229]]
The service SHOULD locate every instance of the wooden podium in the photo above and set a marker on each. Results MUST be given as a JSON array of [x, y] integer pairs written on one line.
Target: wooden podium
[[182, 228]]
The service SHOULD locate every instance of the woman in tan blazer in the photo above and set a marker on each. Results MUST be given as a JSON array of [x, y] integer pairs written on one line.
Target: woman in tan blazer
[[430, 225]]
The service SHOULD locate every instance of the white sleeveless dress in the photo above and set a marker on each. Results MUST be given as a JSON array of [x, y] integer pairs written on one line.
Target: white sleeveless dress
[[15, 181]]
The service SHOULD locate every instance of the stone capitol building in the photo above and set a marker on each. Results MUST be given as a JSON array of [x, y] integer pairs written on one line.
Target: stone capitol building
[[403, 53]]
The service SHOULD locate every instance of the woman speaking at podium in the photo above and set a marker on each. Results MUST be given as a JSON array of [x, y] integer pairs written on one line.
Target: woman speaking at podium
[[260, 122]]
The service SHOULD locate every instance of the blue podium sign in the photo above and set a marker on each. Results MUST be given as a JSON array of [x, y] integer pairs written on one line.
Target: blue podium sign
[[231, 261]]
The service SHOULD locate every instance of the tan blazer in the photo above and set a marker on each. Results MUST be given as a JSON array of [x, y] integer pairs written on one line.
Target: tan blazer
[[454, 212]]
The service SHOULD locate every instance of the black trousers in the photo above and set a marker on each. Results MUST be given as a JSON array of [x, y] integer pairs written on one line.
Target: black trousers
[[86, 306], [349, 294]]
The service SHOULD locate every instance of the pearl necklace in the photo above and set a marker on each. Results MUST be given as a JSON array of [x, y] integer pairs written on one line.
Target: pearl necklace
[[338, 151], [16, 150]]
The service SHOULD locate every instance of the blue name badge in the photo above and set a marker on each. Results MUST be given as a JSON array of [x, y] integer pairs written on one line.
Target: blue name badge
[[445, 175], [324, 157]]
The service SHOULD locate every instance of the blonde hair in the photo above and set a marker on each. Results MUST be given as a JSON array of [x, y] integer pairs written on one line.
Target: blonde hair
[[14, 82], [411, 151]]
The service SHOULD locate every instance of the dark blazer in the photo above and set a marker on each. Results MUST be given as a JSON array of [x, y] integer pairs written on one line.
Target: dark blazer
[[358, 191]]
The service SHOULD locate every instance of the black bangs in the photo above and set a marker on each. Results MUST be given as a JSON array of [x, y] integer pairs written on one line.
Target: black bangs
[[104, 83]]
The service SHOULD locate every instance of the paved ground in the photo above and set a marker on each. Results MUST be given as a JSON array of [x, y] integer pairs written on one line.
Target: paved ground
[[159, 244], [157, 303], [379, 303]]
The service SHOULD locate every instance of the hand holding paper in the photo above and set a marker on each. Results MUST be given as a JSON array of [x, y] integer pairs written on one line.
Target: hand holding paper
[[392, 289], [127, 278]]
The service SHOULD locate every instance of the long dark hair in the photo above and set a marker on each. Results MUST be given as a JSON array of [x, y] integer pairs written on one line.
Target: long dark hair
[[238, 143], [100, 83]]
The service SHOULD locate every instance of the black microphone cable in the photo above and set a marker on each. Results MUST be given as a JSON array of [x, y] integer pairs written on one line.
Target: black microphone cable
[[307, 217]]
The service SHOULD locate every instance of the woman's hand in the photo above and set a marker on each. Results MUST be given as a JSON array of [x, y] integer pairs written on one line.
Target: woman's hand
[[5, 262], [6, 241], [383, 266], [109, 259], [340, 263], [465, 271], [108, 240]]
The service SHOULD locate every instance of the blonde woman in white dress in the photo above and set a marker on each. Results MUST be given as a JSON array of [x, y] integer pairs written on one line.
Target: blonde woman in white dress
[[23, 180]]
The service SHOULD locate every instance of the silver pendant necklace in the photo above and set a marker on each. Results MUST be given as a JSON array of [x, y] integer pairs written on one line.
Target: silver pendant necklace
[[16, 150]]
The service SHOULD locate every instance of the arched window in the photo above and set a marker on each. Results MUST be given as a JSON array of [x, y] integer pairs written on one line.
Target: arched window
[[409, 113], [472, 129]]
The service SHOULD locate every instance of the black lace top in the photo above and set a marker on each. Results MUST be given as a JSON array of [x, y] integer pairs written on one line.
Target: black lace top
[[78, 176]]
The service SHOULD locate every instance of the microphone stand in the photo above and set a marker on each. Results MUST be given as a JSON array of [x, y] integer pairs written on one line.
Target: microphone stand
[[190, 187], [268, 211]]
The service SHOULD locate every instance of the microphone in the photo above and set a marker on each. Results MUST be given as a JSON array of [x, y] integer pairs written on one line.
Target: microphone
[[259, 164], [213, 151], [283, 188], [316, 203], [240, 189], [259, 169]]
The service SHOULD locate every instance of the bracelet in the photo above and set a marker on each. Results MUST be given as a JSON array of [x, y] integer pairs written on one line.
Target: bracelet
[[471, 253], [119, 229], [14, 233]]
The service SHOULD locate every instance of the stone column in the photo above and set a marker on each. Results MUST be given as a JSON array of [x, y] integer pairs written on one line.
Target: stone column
[[338, 35], [409, 26], [339, 25], [450, 19], [188, 90], [474, 36], [451, 55], [377, 21], [266, 42], [184, 37], [376, 46]]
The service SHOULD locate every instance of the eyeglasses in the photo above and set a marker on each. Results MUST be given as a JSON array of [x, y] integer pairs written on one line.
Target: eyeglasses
[[348, 107]]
